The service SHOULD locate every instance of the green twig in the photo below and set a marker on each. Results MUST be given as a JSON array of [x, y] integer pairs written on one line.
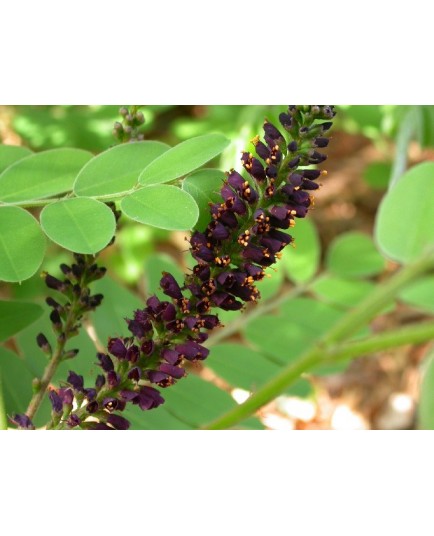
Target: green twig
[[325, 349], [54, 362], [384, 341]]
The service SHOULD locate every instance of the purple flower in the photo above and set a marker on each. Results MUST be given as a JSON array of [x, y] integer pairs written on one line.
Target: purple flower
[[105, 362], [117, 348], [113, 379], [192, 351], [75, 380], [56, 401], [175, 372], [43, 343], [170, 286], [110, 403], [118, 422], [135, 374], [149, 398], [66, 395], [73, 420], [99, 382], [160, 378], [92, 407], [22, 421], [132, 354]]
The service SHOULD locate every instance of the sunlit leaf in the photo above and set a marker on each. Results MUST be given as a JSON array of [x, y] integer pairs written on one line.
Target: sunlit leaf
[[15, 316], [204, 186], [9, 154], [184, 158], [117, 169], [354, 255], [42, 175], [166, 207], [22, 244], [16, 381], [79, 224], [301, 263], [420, 294], [405, 220]]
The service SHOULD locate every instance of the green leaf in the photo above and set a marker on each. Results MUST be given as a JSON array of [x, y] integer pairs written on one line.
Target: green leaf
[[426, 401], [159, 419], [16, 380], [166, 207], [405, 220], [9, 154], [80, 224], [241, 366], [301, 263], [420, 294], [22, 244], [377, 175], [184, 158], [15, 316], [204, 186], [341, 292], [300, 322], [198, 402], [117, 169], [42, 175], [354, 255]]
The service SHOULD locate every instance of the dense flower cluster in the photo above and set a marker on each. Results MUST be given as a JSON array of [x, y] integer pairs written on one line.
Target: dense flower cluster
[[129, 129], [246, 234]]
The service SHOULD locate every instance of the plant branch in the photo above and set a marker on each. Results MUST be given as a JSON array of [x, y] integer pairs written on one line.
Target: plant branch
[[324, 349], [54, 362], [384, 341], [66, 318]]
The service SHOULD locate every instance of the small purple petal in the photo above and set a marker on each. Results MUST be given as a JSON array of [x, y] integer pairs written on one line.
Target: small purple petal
[[66, 395], [73, 420], [113, 379], [149, 398], [75, 380], [22, 421], [170, 286], [56, 402], [175, 372], [117, 348], [105, 362], [118, 422]]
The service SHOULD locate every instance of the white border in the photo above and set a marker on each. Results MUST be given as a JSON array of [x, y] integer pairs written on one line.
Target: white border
[[225, 52]]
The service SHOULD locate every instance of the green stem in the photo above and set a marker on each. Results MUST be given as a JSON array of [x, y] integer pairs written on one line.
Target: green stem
[[44, 202], [3, 415], [383, 341], [379, 298], [73, 315], [324, 350]]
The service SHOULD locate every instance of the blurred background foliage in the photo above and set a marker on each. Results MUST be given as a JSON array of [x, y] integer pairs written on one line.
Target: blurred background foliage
[[334, 266]]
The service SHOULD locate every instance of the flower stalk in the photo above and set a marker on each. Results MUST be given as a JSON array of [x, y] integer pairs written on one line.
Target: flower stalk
[[65, 321], [246, 234]]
